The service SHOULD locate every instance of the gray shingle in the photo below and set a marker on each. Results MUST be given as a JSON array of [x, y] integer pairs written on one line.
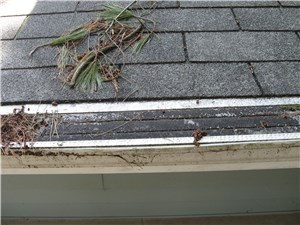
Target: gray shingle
[[167, 20], [224, 80], [163, 73], [290, 3], [57, 24], [243, 46], [81, 18], [191, 4], [51, 6], [34, 85], [89, 6], [280, 78], [159, 81], [15, 54], [190, 80], [269, 18], [162, 48], [194, 19], [16, 7], [154, 81], [46, 25], [10, 26], [97, 5]]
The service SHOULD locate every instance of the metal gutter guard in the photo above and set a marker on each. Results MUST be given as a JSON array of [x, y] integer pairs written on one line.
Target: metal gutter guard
[[160, 154]]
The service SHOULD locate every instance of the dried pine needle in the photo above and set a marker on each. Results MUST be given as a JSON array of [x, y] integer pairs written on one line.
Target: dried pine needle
[[83, 64], [20, 128], [65, 58], [140, 44], [115, 12], [91, 56], [90, 78], [78, 34]]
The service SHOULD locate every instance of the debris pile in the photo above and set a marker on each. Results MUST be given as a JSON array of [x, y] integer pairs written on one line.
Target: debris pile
[[20, 128], [116, 30]]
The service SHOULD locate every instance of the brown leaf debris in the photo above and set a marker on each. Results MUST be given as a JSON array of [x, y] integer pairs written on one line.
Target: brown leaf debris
[[198, 134], [20, 128]]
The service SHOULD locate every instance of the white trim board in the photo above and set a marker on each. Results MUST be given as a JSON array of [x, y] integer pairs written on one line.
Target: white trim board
[[243, 156], [150, 105], [154, 169]]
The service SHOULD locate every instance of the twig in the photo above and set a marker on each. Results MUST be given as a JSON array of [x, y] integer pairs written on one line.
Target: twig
[[115, 128], [36, 48], [54, 124], [131, 93], [125, 78], [122, 125], [117, 46], [123, 158], [115, 19]]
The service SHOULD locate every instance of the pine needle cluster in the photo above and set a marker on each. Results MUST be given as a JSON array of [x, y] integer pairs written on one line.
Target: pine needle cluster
[[117, 29]]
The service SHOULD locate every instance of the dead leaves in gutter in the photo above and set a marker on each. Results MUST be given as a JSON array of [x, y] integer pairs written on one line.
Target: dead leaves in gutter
[[198, 134], [20, 128]]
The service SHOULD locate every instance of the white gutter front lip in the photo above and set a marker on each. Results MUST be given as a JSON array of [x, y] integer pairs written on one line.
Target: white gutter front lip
[[178, 141], [150, 105]]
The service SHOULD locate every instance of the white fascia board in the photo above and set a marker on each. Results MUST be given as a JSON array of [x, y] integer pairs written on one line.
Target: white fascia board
[[255, 153], [235, 157], [154, 169]]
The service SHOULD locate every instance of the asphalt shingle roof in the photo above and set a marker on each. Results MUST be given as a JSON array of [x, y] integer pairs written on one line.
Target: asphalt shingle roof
[[198, 44]]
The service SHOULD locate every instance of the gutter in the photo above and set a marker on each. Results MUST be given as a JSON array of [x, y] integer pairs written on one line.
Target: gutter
[[157, 155]]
